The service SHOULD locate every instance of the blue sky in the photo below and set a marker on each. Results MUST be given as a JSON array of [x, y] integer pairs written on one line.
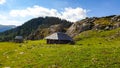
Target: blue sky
[[16, 12]]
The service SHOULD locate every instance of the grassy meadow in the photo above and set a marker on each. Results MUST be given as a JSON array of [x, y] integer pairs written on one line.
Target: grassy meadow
[[93, 49]]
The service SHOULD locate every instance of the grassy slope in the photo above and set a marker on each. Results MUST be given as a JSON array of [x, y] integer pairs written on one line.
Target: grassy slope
[[93, 49]]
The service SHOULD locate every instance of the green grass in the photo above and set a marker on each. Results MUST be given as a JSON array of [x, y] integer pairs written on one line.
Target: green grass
[[104, 21], [93, 49]]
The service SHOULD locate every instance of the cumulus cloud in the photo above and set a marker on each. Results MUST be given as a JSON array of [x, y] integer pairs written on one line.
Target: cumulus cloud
[[70, 14], [3, 17], [2, 1], [34, 11], [18, 17], [8, 20]]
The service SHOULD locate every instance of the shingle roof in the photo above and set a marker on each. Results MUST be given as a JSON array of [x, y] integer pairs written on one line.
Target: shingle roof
[[59, 36], [18, 37]]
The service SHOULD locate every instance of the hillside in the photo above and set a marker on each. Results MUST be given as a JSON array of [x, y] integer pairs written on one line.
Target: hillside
[[6, 27], [38, 28], [93, 49], [94, 23], [29, 28], [98, 37], [97, 45], [42, 32]]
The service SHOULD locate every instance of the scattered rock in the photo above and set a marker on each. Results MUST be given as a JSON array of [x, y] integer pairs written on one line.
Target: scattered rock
[[21, 53]]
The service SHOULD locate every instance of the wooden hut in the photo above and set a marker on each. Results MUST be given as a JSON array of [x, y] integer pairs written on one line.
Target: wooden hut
[[19, 39], [59, 38]]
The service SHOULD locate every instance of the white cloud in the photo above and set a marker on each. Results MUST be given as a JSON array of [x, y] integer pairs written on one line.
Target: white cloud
[[34, 11], [2, 1], [3, 17], [71, 14], [18, 17], [8, 20]]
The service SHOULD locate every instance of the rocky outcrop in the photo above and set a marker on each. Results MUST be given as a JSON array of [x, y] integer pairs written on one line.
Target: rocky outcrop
[[80, 26], [116, 19], [41, 33], [94, 23]]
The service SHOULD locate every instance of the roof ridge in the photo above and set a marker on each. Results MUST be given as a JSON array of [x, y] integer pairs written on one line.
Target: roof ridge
[[59, 36]]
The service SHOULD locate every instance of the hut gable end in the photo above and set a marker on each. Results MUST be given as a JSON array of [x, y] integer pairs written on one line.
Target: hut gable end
[[19, 39]]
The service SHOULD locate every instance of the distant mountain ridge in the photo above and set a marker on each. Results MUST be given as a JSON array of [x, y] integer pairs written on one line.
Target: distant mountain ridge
[[6, 27]]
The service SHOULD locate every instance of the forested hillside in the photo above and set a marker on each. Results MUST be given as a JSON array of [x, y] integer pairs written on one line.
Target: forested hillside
[[31, 26]]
